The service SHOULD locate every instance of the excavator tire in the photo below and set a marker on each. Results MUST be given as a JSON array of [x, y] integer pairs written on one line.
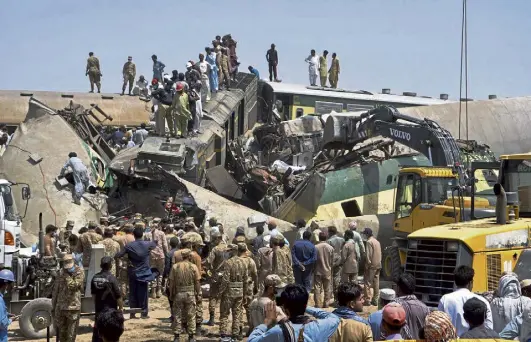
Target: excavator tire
[[392, 268], [35, 316]]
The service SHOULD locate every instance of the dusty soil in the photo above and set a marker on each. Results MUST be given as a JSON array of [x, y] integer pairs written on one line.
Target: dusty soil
[[155, 328]]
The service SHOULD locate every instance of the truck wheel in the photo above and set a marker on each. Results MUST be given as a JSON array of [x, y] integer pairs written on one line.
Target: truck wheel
[[392, 267], [35, 317]]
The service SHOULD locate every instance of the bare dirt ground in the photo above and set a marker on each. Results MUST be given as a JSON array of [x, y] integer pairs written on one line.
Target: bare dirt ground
[[155, 328]]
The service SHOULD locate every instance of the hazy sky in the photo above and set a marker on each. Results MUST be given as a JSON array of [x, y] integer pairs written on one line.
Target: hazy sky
[[405, 45]]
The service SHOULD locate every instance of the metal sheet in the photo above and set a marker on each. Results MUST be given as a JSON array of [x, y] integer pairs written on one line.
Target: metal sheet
[[223, 183]]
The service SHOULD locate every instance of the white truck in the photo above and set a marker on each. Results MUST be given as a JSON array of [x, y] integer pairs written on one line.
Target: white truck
[[10, 222]]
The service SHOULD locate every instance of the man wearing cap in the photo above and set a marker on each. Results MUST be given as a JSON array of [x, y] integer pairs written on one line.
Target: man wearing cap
[[157, 256], [373, 266], [180, 110], [282, 263], [215, 262], [64, 234], [129, 73], [106, 292], [375, 319], [184, 288], [123, 240], [85, 242], [273, 287], [111, 247], [66, 299], [163, 109], [393, 320], [358, 241], [252, 280], [264, 263], [233, 286], [224, 69], [323, 271]]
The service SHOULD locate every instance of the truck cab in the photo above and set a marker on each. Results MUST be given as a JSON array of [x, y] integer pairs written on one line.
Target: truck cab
[[490, 246], [10, 223]]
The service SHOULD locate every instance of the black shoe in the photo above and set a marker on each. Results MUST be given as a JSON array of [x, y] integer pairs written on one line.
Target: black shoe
[[191, 338], [211, 321], [176, 338], [146, 316], [132, 316]]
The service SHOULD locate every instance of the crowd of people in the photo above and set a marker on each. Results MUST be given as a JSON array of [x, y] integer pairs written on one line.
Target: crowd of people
[[265, 278], [318, 67]]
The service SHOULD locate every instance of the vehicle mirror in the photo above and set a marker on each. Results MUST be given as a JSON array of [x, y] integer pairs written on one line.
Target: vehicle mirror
[[26, 193]]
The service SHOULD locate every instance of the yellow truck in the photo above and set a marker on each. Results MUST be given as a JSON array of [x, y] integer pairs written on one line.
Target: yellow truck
[[489, 245]]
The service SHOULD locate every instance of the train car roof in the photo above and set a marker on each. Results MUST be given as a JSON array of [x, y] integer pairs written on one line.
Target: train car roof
[[299, 89]]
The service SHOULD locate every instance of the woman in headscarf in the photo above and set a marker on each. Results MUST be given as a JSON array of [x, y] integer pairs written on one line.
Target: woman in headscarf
[[509, 303], [438, 327]]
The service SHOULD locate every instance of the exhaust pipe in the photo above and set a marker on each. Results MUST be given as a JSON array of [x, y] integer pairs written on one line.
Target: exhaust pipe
[[501, 204], [41, 236]]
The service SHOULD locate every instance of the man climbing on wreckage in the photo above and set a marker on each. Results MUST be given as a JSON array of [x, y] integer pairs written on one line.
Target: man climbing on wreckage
[[80, 173]]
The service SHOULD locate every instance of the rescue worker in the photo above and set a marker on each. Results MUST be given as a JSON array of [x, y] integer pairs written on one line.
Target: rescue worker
[[213, 69], [313, 67], [94, 72], [111, 247], [158, 68], [123, 240], [64, 234], [373, 266], [282, 262], [139, 271], [180, 110], [7, 278], [323, 271], [349, 259], [264, 264], [66, 299], [323, 68], [184, 289], [215, 261], [232, 288], [85, 242], [129, 73], [334, 71], [272, 61], [157, 256], [252, 280], [162, 110], [337, 243], [50, 240], [224, 70], [80, 173], [205, 69]]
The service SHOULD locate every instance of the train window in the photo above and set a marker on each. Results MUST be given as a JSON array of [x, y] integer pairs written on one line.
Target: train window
[[299, 112], [351, 208]]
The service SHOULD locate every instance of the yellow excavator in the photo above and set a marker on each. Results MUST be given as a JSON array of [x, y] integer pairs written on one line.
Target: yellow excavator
[[424, 196]]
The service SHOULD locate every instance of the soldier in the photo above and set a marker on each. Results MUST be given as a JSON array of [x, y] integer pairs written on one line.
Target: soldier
[[85, 242], [157, 256], [93, 71], [104, 221], [123, 240], [282, 263], [224, 69], [264, 264], [252, 280], [337, 243], [323, 68], [129, 73], [64, 234], [334, 71], [111, 247], [215, 262], [184, 289], [232, 288], [66, 300]]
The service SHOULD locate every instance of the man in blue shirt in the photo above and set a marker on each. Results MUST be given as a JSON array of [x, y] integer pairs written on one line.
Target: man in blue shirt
[[139, 270], [304, 255], [6, 279], [350, 300], [375, 319], [253, 70], [294, 302]]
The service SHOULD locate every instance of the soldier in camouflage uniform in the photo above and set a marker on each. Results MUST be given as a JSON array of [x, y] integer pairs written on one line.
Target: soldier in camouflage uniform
[[232, 288], [93, 71], [129, 73], [64, 234], [85, 242], [123, 262], [216, 259], [282, 264], [66, 300], [252, 280], [111, 247], [158, 256], [184, 289]]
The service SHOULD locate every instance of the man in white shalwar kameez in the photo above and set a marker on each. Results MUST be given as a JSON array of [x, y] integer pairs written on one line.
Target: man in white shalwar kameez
[[80, 173], [313, 67]]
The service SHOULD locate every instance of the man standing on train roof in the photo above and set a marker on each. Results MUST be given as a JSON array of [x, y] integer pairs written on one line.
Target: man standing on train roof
[[334, 71], [272, 61], [313, 67], [93, 71], [158, 68], [323, 68], [129, 73]]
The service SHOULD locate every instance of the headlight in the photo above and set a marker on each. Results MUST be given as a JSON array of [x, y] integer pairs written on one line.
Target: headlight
[[413, 244], [452, 246]]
